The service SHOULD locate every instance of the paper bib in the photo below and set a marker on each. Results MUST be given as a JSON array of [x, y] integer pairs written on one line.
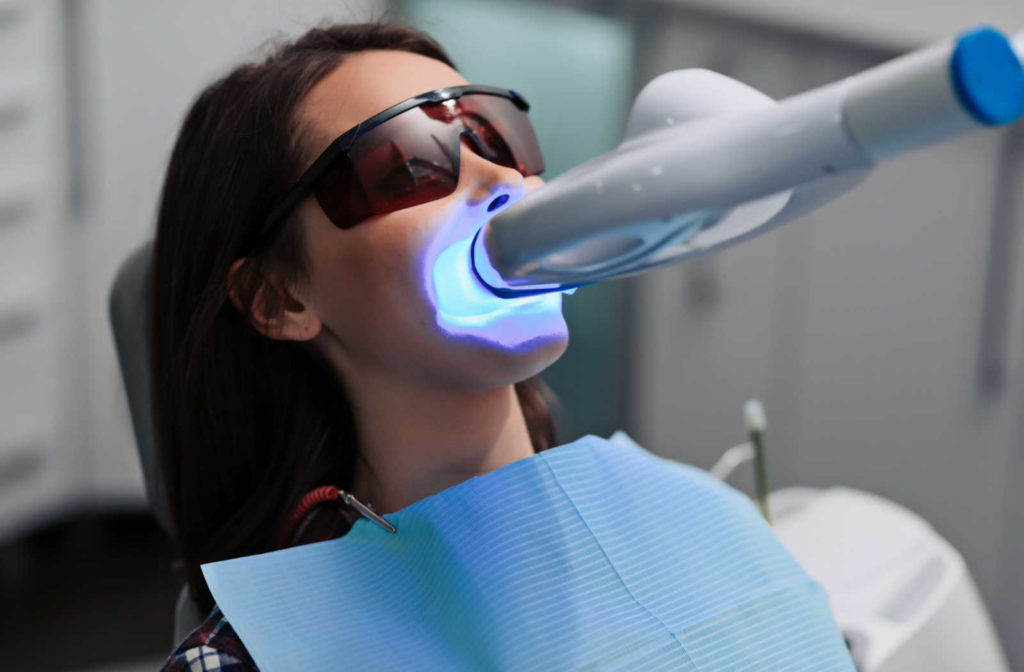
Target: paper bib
[[596, 555]]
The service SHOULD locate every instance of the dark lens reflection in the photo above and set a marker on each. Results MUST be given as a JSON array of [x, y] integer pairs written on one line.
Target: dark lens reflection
[[505, 129], [412, 158], [402, 163]]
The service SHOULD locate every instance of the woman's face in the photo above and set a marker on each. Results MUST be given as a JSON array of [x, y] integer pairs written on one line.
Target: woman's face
[[394, 293]]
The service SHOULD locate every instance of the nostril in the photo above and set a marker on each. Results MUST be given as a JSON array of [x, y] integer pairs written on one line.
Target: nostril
[[497, 203]]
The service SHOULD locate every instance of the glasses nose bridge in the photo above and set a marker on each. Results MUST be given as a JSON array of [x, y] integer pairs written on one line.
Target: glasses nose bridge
[[487, 181], [479, 148]]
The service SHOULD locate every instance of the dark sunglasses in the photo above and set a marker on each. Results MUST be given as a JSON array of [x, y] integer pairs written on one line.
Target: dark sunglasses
[[409, 154]]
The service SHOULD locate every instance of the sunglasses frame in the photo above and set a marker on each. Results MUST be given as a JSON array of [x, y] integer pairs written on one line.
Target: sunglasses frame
[[340, 146]]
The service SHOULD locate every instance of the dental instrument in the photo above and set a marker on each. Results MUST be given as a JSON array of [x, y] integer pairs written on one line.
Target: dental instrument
[[755, 421]]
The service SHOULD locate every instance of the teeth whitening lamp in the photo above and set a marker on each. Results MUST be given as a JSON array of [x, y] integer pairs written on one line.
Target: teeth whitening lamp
[[707, 162]]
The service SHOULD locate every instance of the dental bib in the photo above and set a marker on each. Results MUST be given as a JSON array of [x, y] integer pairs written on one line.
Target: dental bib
[[596, 555]]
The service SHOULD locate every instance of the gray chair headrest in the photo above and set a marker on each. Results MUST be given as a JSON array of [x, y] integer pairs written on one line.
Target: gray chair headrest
[[128, 321]]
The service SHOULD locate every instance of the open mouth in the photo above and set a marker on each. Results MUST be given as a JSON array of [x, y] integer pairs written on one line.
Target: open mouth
[[463, 301]]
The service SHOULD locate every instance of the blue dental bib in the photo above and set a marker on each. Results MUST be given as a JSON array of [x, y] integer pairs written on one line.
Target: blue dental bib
[[596, 555]]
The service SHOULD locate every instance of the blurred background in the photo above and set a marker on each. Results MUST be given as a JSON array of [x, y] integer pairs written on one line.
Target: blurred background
[[884, 333]]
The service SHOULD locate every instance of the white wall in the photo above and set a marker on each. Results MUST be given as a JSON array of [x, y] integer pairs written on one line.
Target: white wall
[[35, 469]]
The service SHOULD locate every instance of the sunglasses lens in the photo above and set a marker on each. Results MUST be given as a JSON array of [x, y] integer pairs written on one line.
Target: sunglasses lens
[[504, 130], [412, 158], [404, 162], [341, 197]]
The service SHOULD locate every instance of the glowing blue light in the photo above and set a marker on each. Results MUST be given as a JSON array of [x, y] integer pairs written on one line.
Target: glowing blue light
[[466, 307]]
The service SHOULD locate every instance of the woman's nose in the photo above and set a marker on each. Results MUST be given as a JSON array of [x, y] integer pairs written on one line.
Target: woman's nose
[[488, 181]]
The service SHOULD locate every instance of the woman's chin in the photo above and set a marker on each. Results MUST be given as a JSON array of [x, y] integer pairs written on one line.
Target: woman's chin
[[516, 326], [508, 346], [501, 357]]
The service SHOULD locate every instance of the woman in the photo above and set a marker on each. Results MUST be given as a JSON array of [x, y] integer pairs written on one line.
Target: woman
[[301, 352], [313, 328]]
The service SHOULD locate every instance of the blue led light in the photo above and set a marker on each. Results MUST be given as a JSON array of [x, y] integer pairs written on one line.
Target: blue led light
[[466, 307], [497, 203]]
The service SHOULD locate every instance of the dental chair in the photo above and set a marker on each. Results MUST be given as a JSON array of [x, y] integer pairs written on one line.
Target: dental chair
[[912, 606], [127, 305]]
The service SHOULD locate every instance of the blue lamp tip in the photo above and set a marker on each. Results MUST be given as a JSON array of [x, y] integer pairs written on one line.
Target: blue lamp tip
[[988, 76]]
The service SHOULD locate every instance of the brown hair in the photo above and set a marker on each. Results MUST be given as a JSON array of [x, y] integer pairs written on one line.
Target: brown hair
[[246, 425]]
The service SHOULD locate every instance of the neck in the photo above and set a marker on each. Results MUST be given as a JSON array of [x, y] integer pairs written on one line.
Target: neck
[[415, 443]]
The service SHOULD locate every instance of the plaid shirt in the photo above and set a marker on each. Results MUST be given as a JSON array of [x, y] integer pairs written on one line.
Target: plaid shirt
[[215, 645]]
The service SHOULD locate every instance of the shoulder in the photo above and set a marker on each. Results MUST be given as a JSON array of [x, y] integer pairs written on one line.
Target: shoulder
[[697, 478], [214, 645]]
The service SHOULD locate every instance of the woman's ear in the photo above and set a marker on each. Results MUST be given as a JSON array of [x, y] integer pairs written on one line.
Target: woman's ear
[[275, 312]]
